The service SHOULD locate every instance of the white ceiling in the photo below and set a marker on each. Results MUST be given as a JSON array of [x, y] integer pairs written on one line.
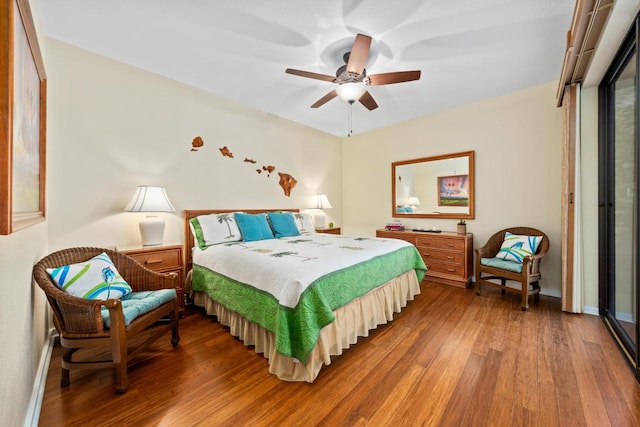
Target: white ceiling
[[467, 50]]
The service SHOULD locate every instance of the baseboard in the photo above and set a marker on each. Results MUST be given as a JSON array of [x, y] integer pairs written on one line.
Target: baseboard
[[35, 402], [587, 309], [550, 292]]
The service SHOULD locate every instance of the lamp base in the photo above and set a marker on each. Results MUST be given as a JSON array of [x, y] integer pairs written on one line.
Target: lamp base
[[319, 219], [152, 230]]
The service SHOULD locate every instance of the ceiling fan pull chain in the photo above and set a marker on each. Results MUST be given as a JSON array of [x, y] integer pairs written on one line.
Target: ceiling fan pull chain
[[350, 118]]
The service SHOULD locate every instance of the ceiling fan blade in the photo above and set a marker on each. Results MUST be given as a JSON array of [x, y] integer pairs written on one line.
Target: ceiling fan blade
[[395, 77], [367, 100], [359, 54], [310, 75], [328, 97]]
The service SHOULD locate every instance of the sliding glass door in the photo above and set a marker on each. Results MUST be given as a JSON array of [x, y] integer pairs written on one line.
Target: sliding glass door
[[619, 194]]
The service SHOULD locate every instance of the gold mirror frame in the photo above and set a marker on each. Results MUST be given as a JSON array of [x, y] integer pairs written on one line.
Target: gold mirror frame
[[435, 203]]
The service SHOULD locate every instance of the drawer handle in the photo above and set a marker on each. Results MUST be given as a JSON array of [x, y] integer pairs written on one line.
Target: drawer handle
[[427, 254], [153, 261], [449, 257], [450, 244], [450, 270]]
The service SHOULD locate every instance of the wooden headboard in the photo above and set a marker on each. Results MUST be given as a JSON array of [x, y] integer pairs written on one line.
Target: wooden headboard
[[188, 236]]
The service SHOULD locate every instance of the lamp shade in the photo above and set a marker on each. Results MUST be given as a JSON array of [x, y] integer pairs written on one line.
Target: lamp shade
[[320, 201], [350, 92], [413, 201], [150, 199]]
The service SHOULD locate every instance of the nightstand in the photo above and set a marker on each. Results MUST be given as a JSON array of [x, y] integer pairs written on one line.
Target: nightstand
[[332, 230], [165, 258]]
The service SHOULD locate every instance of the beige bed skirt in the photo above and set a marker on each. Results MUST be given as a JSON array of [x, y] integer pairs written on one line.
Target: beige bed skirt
[[353, 320]]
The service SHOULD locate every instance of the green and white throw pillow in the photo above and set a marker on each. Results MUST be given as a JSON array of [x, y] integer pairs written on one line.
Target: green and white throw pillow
[[515, 247], [97, 278], [304, 222], [215, 228]]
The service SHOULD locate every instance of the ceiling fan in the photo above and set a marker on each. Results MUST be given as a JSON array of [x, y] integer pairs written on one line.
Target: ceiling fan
[[352, 77]]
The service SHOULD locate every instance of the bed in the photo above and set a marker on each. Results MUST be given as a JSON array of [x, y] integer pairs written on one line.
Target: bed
[[298, 299]]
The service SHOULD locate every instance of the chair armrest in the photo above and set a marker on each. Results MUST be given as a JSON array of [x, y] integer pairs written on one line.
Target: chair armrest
[[485, 252], [531, 263], [80, 316]]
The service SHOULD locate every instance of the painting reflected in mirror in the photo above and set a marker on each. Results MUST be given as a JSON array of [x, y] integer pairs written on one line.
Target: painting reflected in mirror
[[434, 187]]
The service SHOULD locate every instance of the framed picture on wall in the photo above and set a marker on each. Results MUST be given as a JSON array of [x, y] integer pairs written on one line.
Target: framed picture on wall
[[453, 190], [23, 121]]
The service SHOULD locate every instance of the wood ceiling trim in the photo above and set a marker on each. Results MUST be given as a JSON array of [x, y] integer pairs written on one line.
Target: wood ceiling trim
[[589, 20]]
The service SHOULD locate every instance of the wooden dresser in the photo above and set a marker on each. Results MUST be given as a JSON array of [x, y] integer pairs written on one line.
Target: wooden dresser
[[448, 255]]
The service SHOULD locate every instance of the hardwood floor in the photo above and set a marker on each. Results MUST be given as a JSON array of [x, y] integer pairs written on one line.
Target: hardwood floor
[[449, 359]]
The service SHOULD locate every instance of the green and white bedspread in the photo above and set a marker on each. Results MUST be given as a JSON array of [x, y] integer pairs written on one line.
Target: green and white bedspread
[[290, 286]]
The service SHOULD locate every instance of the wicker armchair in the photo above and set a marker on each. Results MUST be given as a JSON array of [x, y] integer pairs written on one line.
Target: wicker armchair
[[528, 278], [80, 324]]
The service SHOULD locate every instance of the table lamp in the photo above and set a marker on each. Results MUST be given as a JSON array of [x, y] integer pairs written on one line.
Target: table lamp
[[150, 199], [320, 202], [414, 202]]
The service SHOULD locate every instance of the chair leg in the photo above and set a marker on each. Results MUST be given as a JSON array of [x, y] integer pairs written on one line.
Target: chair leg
[[175, 335], [122, 381], [536, 297], [478, 284], [119, 353], [64, 377], [504, 285], [525, 297]]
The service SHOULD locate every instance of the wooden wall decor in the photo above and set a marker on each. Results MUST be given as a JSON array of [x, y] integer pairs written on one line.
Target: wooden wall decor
[[196, 143], [286, 182], [225, 152]]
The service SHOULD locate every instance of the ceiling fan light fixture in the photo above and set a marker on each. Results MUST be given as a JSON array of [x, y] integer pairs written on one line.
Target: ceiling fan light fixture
[[351, 92]]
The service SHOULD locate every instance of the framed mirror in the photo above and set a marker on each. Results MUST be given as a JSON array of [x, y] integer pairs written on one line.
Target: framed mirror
[[434, 187]]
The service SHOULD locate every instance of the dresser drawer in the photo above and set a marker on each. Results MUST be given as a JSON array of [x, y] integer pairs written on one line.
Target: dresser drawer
[[442, 268], [159, 260], [439, 243], [443, 256], [400, 235]]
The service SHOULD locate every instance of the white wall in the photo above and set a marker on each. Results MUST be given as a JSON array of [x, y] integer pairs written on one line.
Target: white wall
[[517, 142], [22, 316], [114, 127]]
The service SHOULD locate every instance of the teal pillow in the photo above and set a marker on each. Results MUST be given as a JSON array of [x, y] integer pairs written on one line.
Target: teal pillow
[[515, 247], [283, 224], [253, 227], [93, 279]]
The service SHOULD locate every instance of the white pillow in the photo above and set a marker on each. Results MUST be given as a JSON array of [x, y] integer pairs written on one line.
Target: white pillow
[[304, 222], [215, 228], [97, 278], [515, 247]]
